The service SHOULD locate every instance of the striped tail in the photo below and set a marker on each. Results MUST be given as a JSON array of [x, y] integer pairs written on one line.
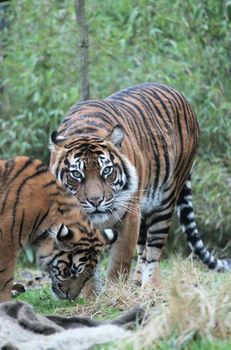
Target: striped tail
[[187, 220]]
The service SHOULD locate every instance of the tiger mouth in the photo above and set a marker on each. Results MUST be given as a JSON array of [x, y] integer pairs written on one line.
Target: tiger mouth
[[58, 292], [99, 214], [97, 211]]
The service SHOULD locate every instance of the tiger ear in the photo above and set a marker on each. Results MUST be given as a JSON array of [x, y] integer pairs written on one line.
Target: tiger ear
[[64, 234], [56, 139], [110, 236], [117, 135], [63, 238]]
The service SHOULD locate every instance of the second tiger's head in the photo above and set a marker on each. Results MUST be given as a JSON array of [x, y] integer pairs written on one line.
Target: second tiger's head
[[70, 261]]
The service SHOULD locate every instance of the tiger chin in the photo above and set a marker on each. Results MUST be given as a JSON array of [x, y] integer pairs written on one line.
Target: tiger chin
[[128, 159], [36, 210]]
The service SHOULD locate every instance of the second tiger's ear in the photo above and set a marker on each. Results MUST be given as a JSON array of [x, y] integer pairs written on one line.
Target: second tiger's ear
[[117, 135], [110, 236], [64, 234], [63, 237]]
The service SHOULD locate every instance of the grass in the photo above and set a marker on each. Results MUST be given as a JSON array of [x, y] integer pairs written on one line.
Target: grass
[[44, 302], [199, 344], [191, 311]]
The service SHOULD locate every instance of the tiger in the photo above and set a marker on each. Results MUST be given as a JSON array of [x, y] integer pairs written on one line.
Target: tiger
[[128, 158], [35, 209]]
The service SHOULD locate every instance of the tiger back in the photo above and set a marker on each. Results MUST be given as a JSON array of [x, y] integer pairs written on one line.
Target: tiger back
[[128, 159], [36, 210]]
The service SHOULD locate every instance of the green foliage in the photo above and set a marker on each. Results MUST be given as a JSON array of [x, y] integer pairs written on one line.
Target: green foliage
[[182, 43], [185, 44], [44, 302], [197, 344], [39, 74]]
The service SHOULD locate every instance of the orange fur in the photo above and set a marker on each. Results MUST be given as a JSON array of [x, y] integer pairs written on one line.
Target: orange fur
[[149, 134], [128, 159], [34, 207]]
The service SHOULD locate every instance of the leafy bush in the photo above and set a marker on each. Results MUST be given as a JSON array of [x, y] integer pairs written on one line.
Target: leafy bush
[[39, 72]]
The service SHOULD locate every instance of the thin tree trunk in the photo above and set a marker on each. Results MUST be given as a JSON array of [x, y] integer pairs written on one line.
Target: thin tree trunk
[[3, 25], [83, 45]]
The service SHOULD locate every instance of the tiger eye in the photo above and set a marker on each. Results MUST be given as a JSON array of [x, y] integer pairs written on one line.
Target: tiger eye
[[107, 171], [75, 174]]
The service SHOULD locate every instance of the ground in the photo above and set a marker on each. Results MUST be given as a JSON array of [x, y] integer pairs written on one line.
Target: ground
[[191, 311]]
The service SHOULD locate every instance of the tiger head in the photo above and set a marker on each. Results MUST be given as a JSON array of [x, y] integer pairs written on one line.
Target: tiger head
[[94, 169], [70, 263]]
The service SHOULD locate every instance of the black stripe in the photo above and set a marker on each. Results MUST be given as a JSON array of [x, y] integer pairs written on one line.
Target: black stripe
[[84, 130], [34, 226], [24, 167], [38, 173], [153, 141], [158, 232], [52, 182], [161, 218], [40, 222], [6, 283], [156, 244], [152, 261], [57, 168], [4, 202], [9, 166], [21, 230]]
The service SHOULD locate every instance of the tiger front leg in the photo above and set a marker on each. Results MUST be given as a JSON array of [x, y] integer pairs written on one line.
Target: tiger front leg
[[141, 252], [7, 264], [158, 225], [122, 251], [93, 286], [140, 265]]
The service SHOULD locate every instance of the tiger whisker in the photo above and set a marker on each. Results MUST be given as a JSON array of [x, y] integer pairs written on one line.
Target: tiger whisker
[[116, 216], [124, 196], [127, 200], [130, 200], [131, 194], [144, 190], [131, 211], [128, 209]]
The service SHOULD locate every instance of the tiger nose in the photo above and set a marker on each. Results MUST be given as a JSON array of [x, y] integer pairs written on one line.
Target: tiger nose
[[96, 200]]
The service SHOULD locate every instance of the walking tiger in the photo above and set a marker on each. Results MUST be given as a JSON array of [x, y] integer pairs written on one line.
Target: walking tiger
[[35, 209], [128, 159]]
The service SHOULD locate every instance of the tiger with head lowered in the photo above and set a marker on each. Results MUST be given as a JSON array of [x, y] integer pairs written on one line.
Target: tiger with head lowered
[[35, 209], [128, 159]]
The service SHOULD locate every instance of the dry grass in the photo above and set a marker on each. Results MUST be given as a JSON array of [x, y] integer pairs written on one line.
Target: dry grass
[[198, 304], [193, 302], [117, 297]]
